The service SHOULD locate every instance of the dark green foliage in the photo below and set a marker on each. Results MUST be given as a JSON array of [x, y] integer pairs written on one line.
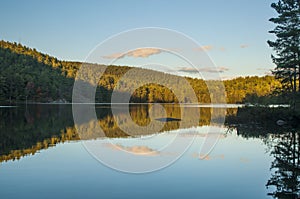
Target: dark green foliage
[[27, 129], [285, 166], [33, 127], [287, 43], [26, 74]]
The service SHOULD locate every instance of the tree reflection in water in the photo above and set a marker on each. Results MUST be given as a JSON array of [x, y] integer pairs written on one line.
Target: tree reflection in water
[[25, 131], [286, 166]]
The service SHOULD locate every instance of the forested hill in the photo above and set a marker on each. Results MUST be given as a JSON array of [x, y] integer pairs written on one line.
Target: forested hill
[[26, 74]]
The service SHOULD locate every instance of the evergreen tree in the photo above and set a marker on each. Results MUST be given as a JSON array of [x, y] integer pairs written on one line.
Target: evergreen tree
[[286, 45], [27, 75]]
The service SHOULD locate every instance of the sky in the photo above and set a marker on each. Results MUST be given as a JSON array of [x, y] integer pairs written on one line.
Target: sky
[[233, 33]]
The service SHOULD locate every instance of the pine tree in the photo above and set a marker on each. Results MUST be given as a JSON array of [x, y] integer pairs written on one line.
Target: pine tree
[[286, 45]]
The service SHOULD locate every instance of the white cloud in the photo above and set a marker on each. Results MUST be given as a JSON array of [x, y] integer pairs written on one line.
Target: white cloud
[[204, 48], [138, 150], [221, 69], [113, 56], [244, 46], [188, 70], [266, 71], [142, 52]]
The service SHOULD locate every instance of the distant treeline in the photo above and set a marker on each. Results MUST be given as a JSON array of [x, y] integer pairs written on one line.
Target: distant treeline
[[26, 74]]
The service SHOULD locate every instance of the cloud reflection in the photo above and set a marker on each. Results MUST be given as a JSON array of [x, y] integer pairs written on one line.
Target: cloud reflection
[[137, 149]]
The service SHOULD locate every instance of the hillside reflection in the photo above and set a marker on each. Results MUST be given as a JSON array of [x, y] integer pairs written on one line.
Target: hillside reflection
[[25, 130], [28, 129]]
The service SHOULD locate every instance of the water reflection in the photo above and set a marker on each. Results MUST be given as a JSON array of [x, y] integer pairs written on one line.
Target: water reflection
[[27, 130], [286, 166], [283, 143]]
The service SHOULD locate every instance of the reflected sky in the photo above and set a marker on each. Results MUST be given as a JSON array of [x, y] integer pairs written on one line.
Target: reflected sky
[[236, 168], [42, 155]]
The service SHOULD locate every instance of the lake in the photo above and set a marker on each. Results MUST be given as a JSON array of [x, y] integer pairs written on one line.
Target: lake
[[142, 151]]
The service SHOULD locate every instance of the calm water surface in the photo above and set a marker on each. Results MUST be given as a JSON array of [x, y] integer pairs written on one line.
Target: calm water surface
[[42, 156]]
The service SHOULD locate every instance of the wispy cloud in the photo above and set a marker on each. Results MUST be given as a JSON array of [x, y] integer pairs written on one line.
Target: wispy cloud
[[266, 71], [244, 46], [204, 48], [223, 49], [188, 70], [142, 52], [113, 56], [138, 150], [209, 157], [221, 69], [263, 69], [210, 47]]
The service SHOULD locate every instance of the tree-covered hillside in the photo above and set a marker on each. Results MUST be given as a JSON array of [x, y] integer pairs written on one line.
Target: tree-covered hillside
[[26, 74]]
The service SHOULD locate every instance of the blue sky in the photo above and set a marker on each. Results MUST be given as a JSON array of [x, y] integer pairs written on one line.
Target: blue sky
[[234, 32]]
